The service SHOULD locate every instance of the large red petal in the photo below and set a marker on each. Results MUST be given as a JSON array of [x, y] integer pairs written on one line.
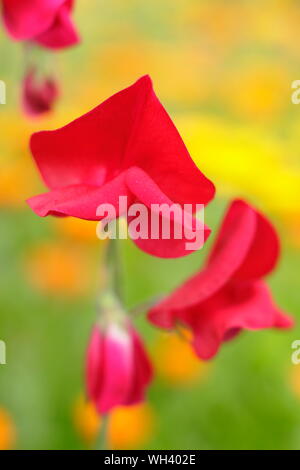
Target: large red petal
[[91, 149], [129, 129]]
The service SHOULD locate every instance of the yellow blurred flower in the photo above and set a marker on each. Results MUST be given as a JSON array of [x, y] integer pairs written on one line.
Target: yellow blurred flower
[[18, 181], [243, 162], [14, 134], [18, 177], [7, 431], [292, 222], [129, 427], [59, 268], [218, 22], [124, 62], [274, 22], [186, 62], [175, 360]]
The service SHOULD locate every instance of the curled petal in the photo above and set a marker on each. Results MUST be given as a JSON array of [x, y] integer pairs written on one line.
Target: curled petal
[[80, 200], [230, 249], [26, 19], [263, 253], [241, 306], [62, 33], [183, 232]]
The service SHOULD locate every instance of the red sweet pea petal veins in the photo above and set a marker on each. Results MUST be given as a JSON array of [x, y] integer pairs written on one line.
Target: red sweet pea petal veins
[[62, 33], [79, 201], [263, 253], [26, 19], [147, 192], [241, 306]]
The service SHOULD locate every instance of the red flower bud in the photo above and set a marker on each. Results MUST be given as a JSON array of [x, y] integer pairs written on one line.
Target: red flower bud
[[38, 96]]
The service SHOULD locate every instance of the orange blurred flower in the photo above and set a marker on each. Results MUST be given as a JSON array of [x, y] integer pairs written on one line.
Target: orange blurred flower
[[86, 420], [292, 222], [129, 427], [295, 380], [7, 431], [77, 229], [59, 268], [217, 23], [17, 181], [175, 360], [257, 91]]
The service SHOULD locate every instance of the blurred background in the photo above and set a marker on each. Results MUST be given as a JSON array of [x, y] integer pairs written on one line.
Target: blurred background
[[223, 70]]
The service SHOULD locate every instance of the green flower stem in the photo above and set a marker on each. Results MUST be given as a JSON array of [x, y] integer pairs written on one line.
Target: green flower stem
[[115, 268], [102, 441]]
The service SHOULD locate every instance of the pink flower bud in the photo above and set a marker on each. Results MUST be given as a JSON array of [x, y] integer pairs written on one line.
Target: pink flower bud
[[118, 369]]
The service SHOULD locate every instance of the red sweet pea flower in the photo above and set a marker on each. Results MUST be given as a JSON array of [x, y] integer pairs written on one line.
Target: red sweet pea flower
[[46, 22], [38, 96], [126, 146], [228, 295], [118, 370]]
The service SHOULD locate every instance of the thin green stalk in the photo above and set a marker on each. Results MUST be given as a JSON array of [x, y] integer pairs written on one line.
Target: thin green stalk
[[115, 268], [102, 441]]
